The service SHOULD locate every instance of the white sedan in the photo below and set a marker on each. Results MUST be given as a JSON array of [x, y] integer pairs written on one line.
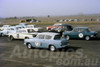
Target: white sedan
[[34, 28], [22, 34], [11, 29]]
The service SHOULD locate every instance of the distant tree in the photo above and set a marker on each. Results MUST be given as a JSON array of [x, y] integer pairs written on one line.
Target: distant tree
[[48, 16], [15, 17]]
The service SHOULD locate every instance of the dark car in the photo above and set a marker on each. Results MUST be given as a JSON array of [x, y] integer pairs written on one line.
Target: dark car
[[80, 32], [62, 28]]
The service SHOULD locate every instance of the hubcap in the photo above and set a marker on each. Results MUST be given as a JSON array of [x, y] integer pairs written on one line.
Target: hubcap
[[11, 38], [87, 37], [52, 48], [2, 34], [59, 30], [67, 37], [29, 46]]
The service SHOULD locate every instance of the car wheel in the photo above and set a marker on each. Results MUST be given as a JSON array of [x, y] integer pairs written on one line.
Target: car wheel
[[11, 38], [52, 48], [59, 30], [67, 37], [29, 46], [87, 38], [2, 34]]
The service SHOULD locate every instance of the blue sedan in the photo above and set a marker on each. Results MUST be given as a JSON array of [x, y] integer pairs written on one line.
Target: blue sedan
[[80, 32], [48, 40]]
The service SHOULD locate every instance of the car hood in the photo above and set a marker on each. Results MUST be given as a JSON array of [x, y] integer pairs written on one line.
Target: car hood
[[38, 27]]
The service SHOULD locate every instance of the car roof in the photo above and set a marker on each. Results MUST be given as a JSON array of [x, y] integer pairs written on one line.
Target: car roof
[[18, 26], [65, 25], [22, 23], [49, 33], [6, 25], [82, 27], [58, 24], [30, 25], [12, 27], [24, 28]]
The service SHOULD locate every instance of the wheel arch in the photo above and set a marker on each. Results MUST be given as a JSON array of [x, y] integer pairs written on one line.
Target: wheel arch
[[50, 45]]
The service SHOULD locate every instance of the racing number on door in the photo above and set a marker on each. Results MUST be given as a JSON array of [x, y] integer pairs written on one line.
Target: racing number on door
[[80, 35], [37, 44]]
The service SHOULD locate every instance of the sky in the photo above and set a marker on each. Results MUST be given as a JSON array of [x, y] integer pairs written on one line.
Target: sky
[[21, 8]]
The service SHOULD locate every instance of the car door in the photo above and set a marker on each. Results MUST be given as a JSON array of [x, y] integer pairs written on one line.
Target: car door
[[40, 41], [17, 34], [81, 33], [74, 33], [22, 34], [46, 41]]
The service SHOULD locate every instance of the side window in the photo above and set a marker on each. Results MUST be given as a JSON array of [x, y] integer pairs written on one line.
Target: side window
[[75, 30], [81, 30], [8, 29], [41, 36], [17, 31], [12, 29], [48, 37], [24, 31]]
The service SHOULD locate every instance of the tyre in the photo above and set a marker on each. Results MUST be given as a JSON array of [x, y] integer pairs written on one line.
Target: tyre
[[52, 48], [2, 34], [87, 38], [59, 30], [67, 37], [11, 38], [29, 46]]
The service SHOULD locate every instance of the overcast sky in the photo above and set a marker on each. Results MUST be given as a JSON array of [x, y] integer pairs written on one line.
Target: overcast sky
[[20, 8]]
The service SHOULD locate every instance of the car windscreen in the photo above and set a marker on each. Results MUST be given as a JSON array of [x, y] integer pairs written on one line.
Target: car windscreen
[[30, 30], [57, 37]]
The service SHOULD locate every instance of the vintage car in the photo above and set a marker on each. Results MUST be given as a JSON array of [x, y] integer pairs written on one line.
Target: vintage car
[[23, 25], [34, 28], [62, 28], [4, 27], [48, 40], [54, 26], [23, 33], [9, 30], [80, 32]]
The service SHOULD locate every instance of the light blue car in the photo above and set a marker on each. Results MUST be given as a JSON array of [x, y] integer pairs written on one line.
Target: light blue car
[[49, 40]]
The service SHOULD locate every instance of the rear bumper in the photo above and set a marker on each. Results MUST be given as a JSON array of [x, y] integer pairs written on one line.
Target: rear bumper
[[62, 46]]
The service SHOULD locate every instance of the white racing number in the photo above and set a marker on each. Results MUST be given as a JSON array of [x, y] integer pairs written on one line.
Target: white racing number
[[80, 35], [37, 43]]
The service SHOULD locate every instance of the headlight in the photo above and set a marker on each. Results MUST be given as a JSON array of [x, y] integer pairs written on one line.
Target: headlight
[[92, 35]]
